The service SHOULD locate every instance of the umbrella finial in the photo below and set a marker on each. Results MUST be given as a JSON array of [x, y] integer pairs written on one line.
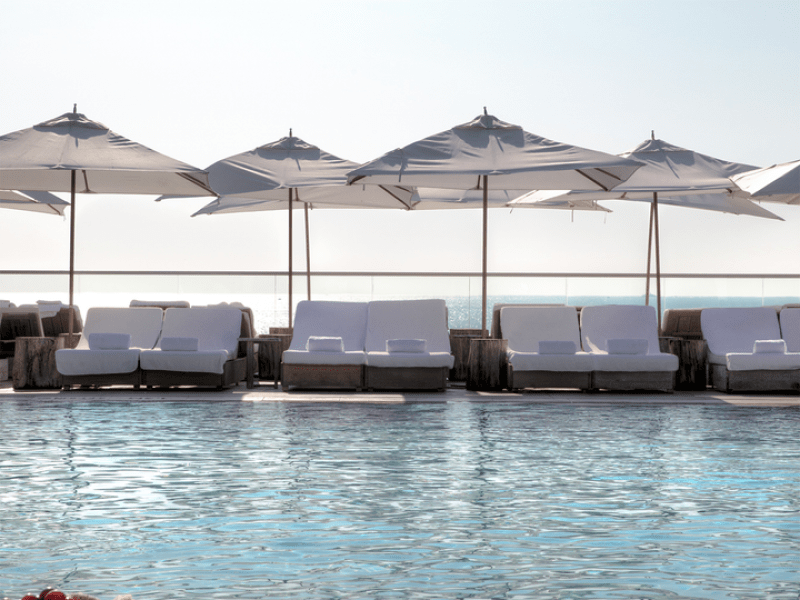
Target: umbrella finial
[[290, 132], [652, 134], [75, 108], [484, 111]]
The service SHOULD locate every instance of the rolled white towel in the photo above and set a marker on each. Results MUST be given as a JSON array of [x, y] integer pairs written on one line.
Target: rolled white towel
[[179, 344], [627, 346], [417, 346], [557, 347], [109, 341], [324, 344], [769, 347]]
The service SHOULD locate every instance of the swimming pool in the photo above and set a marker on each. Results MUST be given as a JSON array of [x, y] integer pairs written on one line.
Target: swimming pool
[[448, 500]]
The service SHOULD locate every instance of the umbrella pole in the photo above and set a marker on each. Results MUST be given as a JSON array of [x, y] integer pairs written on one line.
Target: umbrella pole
[[308, 255], [290, 258], [649, 252], [658, 259], [71, 327], [484, 332]]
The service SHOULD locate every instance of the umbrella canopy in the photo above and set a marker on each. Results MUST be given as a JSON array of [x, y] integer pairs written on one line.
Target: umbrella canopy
[[278, 174], [74, 154], [489, 152], [669, 175], [778, 183], [33, 201]]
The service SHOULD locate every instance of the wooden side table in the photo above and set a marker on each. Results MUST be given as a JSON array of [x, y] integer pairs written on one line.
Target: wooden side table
[[459, 347], [488, 364], [692, 363], [35, 363], [273, 346]]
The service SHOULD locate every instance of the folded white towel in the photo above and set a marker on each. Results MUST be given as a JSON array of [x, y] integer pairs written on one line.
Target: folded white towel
[[557, 347], [179, 344], [626, 346], [324, 344], [109, 341], [417, 346], [769, 347]]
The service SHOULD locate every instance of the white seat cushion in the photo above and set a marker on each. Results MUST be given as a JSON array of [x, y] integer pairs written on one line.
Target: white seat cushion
[[200, 361], [635, 362], [534, 361], [96, 362], [410, 359], [305, 357]]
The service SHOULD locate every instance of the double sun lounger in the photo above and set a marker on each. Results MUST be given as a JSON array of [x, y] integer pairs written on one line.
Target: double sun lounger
[[606, 347], [753, 349], [154, 347], [380, 345]]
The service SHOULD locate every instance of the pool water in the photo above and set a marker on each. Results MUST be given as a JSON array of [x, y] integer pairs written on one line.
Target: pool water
[[509, 500]]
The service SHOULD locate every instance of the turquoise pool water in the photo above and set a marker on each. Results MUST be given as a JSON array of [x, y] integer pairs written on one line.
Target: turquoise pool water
[[450, 500]]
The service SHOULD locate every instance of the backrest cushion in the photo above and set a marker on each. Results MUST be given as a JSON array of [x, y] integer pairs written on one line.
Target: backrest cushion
[[315, 318], [790, 328], [143, 325], [214, 328], [407, 319], [524, 327], [618, 321], [737, 329]]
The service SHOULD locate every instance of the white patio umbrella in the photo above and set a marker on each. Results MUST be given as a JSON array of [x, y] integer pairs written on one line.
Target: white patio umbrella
[[74, 154], [291, 170], [778, 183], [33, 201], [670, 175], [487, 151]]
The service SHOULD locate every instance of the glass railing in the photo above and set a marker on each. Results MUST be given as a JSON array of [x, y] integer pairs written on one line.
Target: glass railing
[[267, 292]]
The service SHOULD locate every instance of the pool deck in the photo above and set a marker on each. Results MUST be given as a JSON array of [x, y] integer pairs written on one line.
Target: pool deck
[[266, 393]]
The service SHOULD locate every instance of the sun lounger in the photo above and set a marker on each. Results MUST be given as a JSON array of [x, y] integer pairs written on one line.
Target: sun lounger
[[623, 341], [407, 344], [102, 358], [198, 347], [746, 351], [315, 359], [544, 348]]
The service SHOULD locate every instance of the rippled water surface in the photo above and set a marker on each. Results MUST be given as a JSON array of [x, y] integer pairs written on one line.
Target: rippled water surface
[[449, 500]]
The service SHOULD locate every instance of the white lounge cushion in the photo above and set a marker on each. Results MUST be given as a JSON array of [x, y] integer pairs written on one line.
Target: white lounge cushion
[[347, 320], [179, 344], [525, 327], [408, 319], [599, 324], [410, 359], [790, 328], [557, 347], [405, 345], [217, 332], [627, 346], [769, 347], [737, 329], [109, 341], [762, 361], [537, 361], [304, 357], [325, 344], [143, 325]]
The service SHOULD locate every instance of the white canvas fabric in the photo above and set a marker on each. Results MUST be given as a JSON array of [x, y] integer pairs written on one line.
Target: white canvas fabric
[[217, 331], [762, 361], [790, 328], [769, 347], [408, 319], [681, 177], [599, 324], [406, 345], [325, 344], [179, 344], [109, 341], [778, 183], [33, 201], [532, 329], [736, 330], [627, 346], [143, 325], [512, 158], [42, 158]]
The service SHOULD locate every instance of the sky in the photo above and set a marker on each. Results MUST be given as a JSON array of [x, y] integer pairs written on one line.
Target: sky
[[202, 80]]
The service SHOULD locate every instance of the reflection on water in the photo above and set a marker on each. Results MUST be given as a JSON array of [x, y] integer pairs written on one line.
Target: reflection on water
[[453, 500]]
